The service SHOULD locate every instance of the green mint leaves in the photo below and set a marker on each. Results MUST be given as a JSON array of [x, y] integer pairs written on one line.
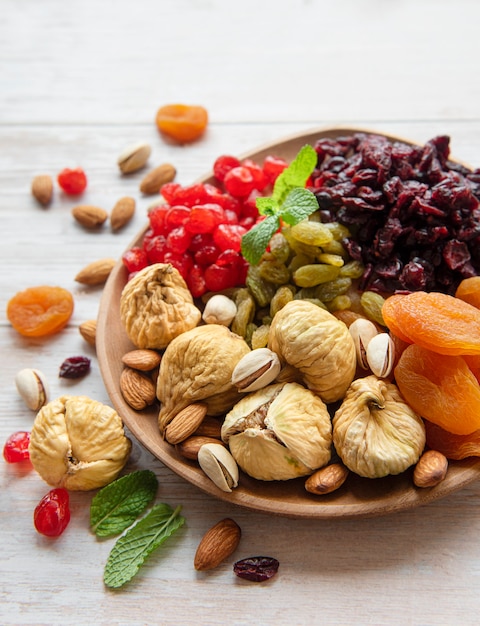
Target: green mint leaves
[[117, 506], [290, 201], [131, 550]]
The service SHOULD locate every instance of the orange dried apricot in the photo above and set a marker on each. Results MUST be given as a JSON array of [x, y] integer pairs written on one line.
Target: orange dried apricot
[[40, 311], [182, 122], [441, 388], [455, 447], [469, 291], [436, 321], [473, 362]]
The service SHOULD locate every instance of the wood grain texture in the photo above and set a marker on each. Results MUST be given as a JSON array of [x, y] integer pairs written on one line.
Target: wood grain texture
[[79, 81]]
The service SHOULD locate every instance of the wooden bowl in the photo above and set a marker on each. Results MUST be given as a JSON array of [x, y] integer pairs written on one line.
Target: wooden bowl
[[358, 497]]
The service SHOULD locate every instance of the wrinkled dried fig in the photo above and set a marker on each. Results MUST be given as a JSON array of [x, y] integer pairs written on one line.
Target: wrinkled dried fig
[[196, 367], [316, 343], [156, 306]]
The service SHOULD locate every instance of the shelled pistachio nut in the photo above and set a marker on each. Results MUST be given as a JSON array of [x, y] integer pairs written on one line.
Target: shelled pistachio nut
[[32, 387], [219, 465], [256, 370]]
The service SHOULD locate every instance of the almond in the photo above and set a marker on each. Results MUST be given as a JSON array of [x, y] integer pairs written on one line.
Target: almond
[[210, 427], [122, 212], [89, 216], [190, 446], [95, 273], [430, 469], [217, 544], [42, 188], [88, 330], [134, 157], [185, 423], [137, 389], [157, 177], [327, 479], [142, 359]]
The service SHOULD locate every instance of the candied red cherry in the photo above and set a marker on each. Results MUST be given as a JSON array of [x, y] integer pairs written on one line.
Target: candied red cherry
[[196, 281], [156, 218], [16, 447], [182, 262], [155, 247], [200, 240], [231, 217], [72, 181], [206, 255], [178, 239], [224, 164], [135, 259], [176, 215], [239, 182], [249, 205], [218, 278], [52, 513], [228, 257], [273, 166], [193, 194], [204, 218], [169, 192], [261, 180], [228, 236]]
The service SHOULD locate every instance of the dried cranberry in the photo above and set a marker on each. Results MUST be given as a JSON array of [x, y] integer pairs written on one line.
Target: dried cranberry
[[75, 367], [16, 447], [256, 568], [72, 181], [52, 513]]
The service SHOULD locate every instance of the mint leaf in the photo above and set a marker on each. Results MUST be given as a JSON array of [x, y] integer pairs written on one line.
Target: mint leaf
[[298, 205], [255, 241], [266, 206], [131, 550], [296, 174], [117, 506]]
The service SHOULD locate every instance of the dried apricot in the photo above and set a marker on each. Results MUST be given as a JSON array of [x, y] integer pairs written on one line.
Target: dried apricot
[[40, 311], [455, 447], [441, 388], [436, 321], [469, 291], [473, 362], [182, 122]]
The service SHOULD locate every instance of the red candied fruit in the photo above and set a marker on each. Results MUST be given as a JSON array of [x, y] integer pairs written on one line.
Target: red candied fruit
[[176, 215], [196, 281], [204, 218], [52, 513], [229, 236], [156, 218], [169, 191], [182, 262], [72, 181], [206, 255], [178, 239], [135, 259], [155, 247], [259, 177], [218, 278], [223, 164], [273, 166], [16, 447], [239, 182]]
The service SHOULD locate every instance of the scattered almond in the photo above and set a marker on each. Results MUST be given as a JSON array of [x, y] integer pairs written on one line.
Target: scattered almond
[[89, 216], [122, 212], [217, 544], [42, 188], [190, 446], [430, 469], [157, 177], [137, 389], [134, 157], [95, 273], [327, 479], [185, 423], [142, 359], [88, 330], [210, 427]]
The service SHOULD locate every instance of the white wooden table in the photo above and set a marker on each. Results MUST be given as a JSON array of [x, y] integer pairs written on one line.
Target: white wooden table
[[81, 80]]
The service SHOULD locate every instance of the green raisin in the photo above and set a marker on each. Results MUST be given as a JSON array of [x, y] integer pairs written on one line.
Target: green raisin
[[338, 231], [260, 337], [339, 303], [299, 260], [245, 312], [331, 259], [352, 269], [335, 247], [279, 248], [328, 291], [311, 233], [311, 275], [282, 296], [372, 303], [274, 272], [261, 289]]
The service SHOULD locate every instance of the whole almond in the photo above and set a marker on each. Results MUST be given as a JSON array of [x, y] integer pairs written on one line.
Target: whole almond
[[137, 389], [122, 212], [157, 177], [95, 273], [142, 359], [134, 157], [327, 479], [217, 544], [190, 446], [185, 423], [430, 469], [88, 330], [89, 216], [210, 427], [42, 188]]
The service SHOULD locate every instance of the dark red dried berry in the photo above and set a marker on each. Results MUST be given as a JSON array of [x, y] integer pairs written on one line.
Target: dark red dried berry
[[256, 568], [75, 367]]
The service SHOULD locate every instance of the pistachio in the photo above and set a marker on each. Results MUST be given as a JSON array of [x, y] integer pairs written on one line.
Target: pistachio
[[33, 388], [219, 310], [362, 331], [219, 465], [134, 157], [381, 354], [256, 370]]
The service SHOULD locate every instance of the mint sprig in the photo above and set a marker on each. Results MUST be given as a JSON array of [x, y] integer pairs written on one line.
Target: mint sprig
[[290, 201], [132, 549], [115, 507]]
